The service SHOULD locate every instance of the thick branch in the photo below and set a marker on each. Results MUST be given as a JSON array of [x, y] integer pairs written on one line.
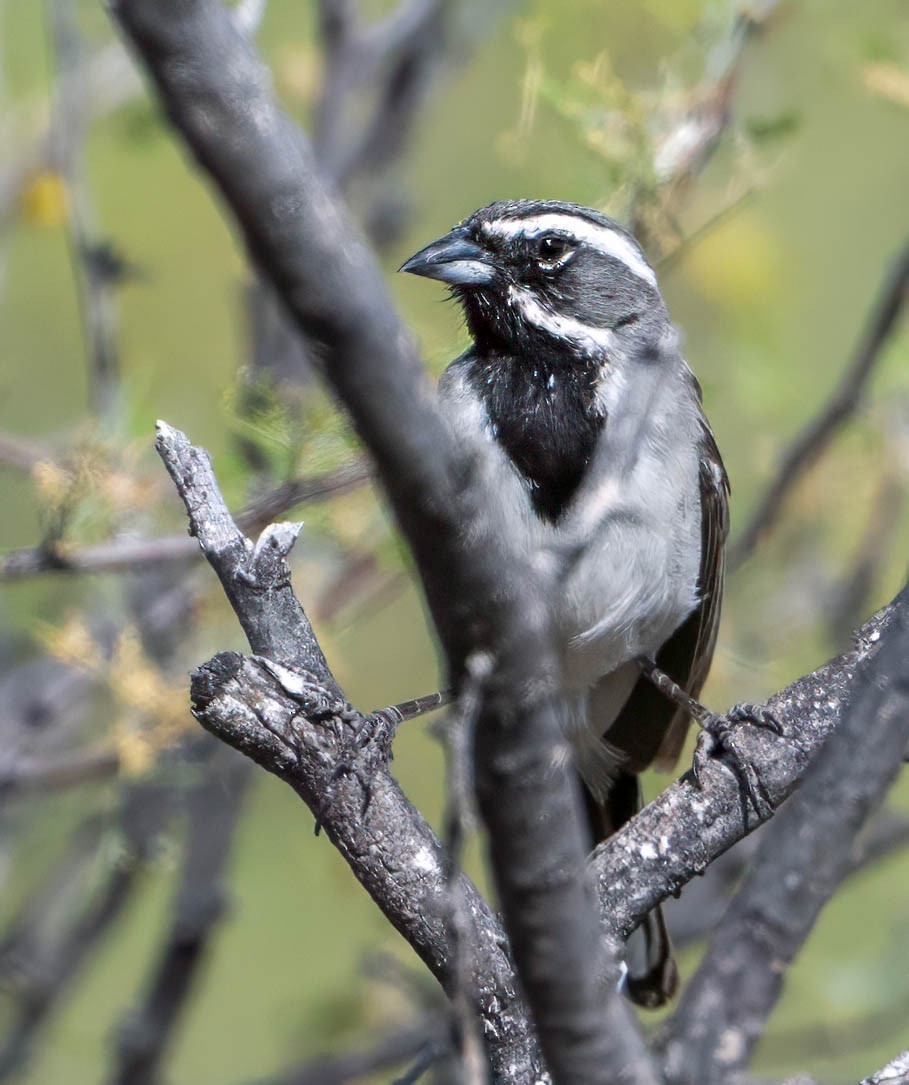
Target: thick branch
[[803, 857], [810, 443], [389, 848], [314, 747], [705, 900], [484, 598], [678, 835]]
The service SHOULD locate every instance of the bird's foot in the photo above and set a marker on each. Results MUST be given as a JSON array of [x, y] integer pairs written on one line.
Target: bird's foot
[[717, 744], [377, 731]]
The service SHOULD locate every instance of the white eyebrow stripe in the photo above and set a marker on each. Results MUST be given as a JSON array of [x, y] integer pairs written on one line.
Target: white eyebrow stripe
[[602, 238], [591, 338]]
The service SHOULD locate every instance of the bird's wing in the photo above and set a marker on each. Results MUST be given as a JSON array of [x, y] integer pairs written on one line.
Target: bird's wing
[[690, 649], [650, 730]]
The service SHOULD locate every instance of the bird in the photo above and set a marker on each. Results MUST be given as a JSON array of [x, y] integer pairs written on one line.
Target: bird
[[591, 422]]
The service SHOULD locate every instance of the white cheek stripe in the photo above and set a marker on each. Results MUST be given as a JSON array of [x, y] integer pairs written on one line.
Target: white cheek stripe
[[559, 327], [601, 238]]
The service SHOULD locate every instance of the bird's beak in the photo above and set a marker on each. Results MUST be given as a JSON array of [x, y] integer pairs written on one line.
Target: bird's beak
[[453, 259]]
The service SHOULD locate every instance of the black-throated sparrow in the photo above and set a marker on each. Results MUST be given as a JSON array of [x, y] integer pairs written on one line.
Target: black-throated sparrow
[[602, 461]]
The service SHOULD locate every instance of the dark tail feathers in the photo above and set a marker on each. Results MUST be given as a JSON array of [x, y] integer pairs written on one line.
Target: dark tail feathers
[[657, 979]]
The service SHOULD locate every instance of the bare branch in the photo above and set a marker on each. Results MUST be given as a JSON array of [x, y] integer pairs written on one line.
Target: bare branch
[[393, 1049], [804, 856], [693, 827], [116, 556], [29, 774], [894, 1073], [51, 970], [262, 510], [111, 82], [214, 807], [847, 600], [126, 555], [69, 133], [482, 597], [810, 443], [705, 900], [390, 849], [20, 453]]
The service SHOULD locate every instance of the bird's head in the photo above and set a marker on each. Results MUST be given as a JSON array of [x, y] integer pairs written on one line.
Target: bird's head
[[542, 274]]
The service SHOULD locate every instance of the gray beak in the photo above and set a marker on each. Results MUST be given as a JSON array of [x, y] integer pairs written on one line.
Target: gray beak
[[453, 259]]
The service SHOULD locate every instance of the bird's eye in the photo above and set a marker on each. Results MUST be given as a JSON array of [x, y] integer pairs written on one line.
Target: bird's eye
[[551, 249]]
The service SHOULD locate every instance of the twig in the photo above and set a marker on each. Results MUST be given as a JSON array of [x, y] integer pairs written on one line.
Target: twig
[[685, 139], [70, 130], [361, 580], [803, 857], [27, 774], [214, 807], [20, 453], [300, 491], [390, 1050], [51, 972], [389, 65], [116, 556], [690, 241], [810, 443], [458, 740], [848, 598], [112, 82], [129, 555]]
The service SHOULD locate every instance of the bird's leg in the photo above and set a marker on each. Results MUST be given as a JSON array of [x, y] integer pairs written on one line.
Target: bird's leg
[[718, 728], [375, 736], [380, 726]]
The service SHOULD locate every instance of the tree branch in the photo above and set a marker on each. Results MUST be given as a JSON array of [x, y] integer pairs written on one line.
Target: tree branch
[[803, 857], [681, 832], [28, 774], [130, 555], [248, 708], [483, 597], [312, 742], [705, 900], [810, 443], [51, 969], [895, 1072], [214, 807], [392, 1049]]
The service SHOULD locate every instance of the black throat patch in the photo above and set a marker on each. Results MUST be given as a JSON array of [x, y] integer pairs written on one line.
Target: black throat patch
[[543, 413]]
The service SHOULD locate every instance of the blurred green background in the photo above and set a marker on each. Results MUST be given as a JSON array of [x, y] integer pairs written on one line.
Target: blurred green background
[[770, 301]]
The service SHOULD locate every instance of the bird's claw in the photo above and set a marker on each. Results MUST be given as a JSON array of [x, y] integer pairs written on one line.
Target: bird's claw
[[715, 745], [378, 730], [757, 715]]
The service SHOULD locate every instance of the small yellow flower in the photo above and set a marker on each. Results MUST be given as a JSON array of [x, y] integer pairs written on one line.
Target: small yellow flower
[[44, 200]]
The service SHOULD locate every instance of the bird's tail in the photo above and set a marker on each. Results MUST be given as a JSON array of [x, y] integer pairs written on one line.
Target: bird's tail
[[653, 978]]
